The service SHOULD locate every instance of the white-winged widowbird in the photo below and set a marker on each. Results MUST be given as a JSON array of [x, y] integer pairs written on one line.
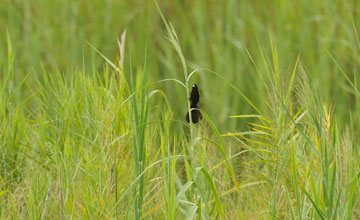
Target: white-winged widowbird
[[194, 100]]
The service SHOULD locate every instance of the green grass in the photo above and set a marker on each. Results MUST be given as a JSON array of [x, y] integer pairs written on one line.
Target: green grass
[[92, 120]]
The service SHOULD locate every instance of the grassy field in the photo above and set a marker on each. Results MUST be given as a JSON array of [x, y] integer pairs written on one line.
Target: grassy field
[[92, 117]]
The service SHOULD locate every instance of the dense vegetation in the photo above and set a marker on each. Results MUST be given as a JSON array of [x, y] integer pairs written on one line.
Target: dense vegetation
[[92, 118]]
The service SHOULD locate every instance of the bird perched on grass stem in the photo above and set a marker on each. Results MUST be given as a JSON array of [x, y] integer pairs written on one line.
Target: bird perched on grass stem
[[194, 100]]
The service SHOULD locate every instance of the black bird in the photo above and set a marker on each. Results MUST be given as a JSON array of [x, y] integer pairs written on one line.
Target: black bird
[[194, 100], [194, 95]]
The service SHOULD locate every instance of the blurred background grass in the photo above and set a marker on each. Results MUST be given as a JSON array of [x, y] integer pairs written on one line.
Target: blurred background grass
[[52, 35]]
